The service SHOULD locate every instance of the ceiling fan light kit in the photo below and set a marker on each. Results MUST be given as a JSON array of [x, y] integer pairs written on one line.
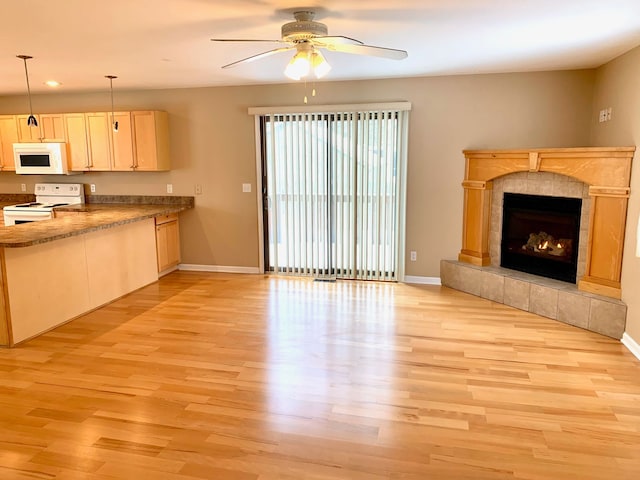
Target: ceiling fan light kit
[[307, 60], [319, 65], [307, 37]]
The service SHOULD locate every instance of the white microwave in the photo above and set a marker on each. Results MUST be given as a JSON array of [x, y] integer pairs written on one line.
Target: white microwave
[[41, 158]]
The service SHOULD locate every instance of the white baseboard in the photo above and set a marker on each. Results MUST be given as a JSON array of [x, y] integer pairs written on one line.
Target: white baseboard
[[190, 267], [631, 344], [422, 280]]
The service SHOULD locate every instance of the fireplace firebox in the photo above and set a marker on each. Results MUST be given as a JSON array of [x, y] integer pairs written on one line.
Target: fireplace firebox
[[540, 235]]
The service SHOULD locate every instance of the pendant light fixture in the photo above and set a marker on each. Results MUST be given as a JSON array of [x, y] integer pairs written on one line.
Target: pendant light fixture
[[31, 120], [115, 123]]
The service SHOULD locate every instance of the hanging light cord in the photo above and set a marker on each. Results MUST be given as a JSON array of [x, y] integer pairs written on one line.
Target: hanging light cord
[[113, 116], [31, 121]]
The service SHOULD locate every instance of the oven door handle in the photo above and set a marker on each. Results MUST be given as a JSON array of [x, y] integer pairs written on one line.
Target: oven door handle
[[26, 213], [13, 216]]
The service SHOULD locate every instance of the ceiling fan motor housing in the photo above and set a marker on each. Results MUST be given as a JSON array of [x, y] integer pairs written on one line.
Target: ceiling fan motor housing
[[303, 28]]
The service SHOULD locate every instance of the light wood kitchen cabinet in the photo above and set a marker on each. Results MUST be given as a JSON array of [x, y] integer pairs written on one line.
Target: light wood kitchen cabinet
[[167, 242], [52, 127], [141, 143], [76, 138], [151, 140], [27, 133], [122, 158], [98, 141], [8, 136]]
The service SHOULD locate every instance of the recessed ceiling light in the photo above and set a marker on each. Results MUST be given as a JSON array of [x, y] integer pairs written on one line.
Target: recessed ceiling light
[[52, 83]]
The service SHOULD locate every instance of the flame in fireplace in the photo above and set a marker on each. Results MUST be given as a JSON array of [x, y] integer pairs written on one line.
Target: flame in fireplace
[[546, 244]]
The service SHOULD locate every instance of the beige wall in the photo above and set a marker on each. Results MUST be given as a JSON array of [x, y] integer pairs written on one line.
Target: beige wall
[[212, 144], [618, 86]]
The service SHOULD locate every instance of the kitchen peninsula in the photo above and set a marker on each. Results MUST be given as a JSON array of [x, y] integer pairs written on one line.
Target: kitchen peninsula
[[89, 255]]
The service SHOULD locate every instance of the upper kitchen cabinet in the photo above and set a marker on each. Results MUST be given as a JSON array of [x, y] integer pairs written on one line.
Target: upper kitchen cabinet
[[27, 133], [8, 136], [76, 138], [122, 158], [52, 127], [151, 140], [140, 144], [98, 141]]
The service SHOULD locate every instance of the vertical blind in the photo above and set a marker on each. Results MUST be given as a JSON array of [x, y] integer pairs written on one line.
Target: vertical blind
[[334, 192]]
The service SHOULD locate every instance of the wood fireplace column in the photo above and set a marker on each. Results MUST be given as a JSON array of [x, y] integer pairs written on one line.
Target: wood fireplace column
[[475, 226], [606, 241]]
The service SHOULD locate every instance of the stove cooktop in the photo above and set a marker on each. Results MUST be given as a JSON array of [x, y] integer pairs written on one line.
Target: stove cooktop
[[34, 205]]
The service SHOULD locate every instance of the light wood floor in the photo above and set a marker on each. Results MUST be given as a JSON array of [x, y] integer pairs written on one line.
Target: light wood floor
[[214, 376]]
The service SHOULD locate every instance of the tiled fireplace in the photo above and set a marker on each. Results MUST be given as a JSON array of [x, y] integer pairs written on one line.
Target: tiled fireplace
[[595, 178], [541, 235]]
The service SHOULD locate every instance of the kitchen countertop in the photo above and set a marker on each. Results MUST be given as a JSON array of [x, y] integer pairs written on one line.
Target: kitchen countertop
[[91, 217]]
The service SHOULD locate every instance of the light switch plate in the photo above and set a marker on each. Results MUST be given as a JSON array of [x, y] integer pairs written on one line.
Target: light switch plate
[[246, 187]]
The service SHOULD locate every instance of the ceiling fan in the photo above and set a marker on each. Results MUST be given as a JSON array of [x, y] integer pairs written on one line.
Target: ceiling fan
[[307, 37]]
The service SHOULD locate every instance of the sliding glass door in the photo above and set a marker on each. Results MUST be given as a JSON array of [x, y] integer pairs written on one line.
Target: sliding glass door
[[333, 187]]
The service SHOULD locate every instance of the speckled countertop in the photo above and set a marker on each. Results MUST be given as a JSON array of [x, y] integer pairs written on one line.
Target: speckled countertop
[[90, 217]]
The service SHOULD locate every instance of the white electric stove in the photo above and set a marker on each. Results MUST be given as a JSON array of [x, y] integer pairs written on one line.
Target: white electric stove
[[48, 196]]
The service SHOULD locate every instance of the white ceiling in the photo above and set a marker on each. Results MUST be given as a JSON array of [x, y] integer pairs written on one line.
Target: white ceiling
[[166, 43]]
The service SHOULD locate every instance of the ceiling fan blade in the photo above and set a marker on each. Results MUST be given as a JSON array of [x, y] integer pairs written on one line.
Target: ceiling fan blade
[[259, 56], [391, 53], [244, 40], [335, 40]]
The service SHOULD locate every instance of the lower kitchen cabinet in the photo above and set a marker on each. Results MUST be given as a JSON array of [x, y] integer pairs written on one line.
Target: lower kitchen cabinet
[[167, 242]]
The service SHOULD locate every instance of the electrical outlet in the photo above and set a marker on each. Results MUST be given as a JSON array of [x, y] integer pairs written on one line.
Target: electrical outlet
[[169, 188], [605, 115], [414, 256], [198, 189], [23, 187], [93, 188], [246, 187]]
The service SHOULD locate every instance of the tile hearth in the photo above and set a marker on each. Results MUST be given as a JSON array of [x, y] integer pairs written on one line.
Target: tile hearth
[[543, 296]]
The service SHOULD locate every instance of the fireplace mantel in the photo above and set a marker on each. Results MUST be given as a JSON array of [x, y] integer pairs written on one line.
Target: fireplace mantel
[[607, 172]]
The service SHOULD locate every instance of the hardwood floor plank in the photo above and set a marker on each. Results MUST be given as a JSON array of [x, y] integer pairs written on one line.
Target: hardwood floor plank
[[253, 377]]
